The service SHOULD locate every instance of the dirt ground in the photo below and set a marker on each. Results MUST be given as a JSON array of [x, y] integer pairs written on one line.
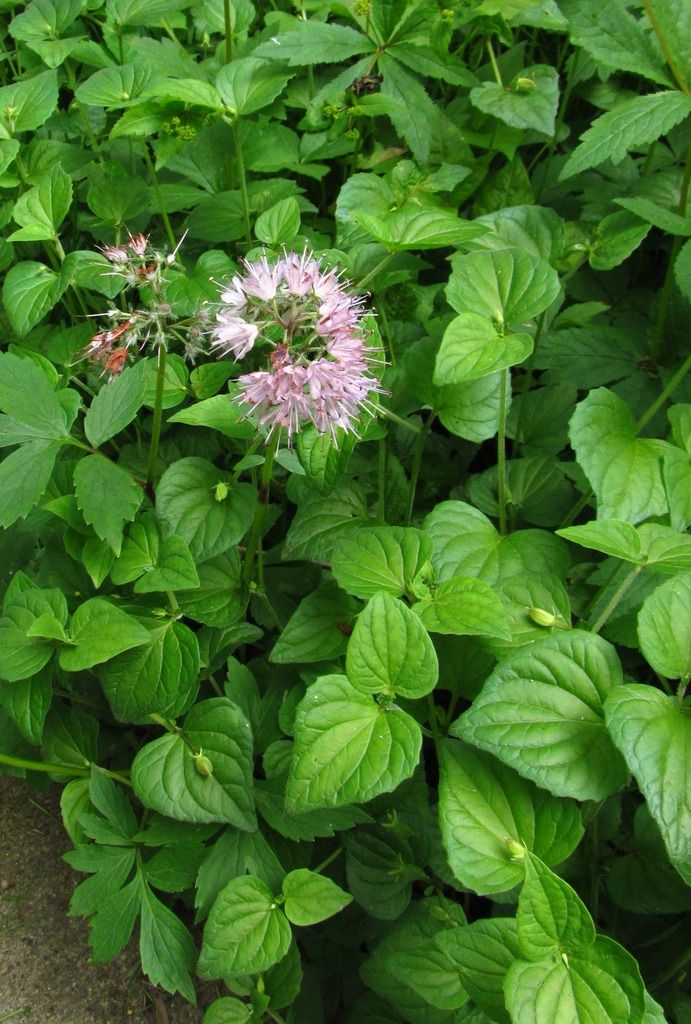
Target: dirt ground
[[44, 974]]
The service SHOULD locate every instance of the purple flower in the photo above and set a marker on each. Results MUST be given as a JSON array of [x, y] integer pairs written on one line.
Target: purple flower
[[234, 335]]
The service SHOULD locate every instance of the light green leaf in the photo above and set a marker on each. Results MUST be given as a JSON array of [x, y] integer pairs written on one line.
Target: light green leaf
[[490, 817], [28, 104], [614, 37], [617, 236], [115, 405], [348, 749], [246, 932], [623, 469], [506, 286], [664, 629], [315, 42], [653, 732], [659, 216], [390, 651], [317, 630], [100, 631], [324, 461], [463, 606], [279, 224], [482, 953], [530, 103], [22, 652], [471, 409], [24, 476], [220, 413], [632, 125], [107, 496], [28, 700], [31, 405], [169, 777], [174, 569], [116, 86], [323, 522], [415, 228], [29, 291], [380, 558], [187, 499], [219, 599], [310, 898], [551, 916], [41, 210], [186, 90], [541, 712], [227, 1010], [166, 948], [248, 84], [672, 19], [473, 347], [611, 536]]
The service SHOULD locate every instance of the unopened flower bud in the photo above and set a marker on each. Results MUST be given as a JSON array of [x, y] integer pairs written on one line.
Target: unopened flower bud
[[221, 491], [202, 764], [541, 617], [516, 849], [523, 85]]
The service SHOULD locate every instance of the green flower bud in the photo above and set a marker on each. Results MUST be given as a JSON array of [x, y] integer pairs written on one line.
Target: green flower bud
[[202, 764], [221, 491], [523, 85], [541, 617], [516, 849]]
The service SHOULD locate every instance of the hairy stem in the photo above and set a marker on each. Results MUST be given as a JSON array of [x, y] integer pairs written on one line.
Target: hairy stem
[[170, 234], [228, 27], [156, 428], [255, 536], [615, 599], [417, 464], [243, 184]]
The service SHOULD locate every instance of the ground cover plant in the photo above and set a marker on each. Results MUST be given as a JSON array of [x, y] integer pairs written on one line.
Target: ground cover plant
[[345, 496]]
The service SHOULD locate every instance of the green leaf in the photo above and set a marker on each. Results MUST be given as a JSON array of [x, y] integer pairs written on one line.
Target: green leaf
[[414, 116], [380, 871], [31, 405], [70, 736], [141, 12], [187, 90], [415, 228], [168, 778], [100, 631], [614, 37], [174, 569], [111, 867], [653, 732], [116, 405], [315, 42], [248, 84], [632, 125], [551, 917], [40, 210], [348, 749], [659, 216], [220, 413], [27, 105], [482, 953], [219, 599], [158, 677], [115, 86], [107, 496], [379, 558], [506, 286], [611, 536], [673, 21], [232, 854], [664, 630], [227, 1010], [28, 700], [617, 236], [29, 291], [530, 103], [24, 476], [279, 224], [390, 651], [246, 932], [323, 522], [324, 461], [490, 817], [317, 630], [472, 347], [310, 897], [541, 712], [623, 469], [463, 606], [166, 947], [113, 923], [186, 499]]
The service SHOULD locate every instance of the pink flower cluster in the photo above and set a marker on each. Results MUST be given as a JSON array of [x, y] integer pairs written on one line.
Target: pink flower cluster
[[319, 358]]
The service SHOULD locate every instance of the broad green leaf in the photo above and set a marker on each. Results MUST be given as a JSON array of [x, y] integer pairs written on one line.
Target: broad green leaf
[[100, 631], [482, 953], [110, 867], [70, 736], [659, 216], [321, 523], [541, 713], [24, 476], [141, 12], [29, 291], [586, 357], [379, 558], [507, 286], [186, 90], [139, 552], [28, 104], [323, 461], [623, 469], [318, 629], [614, 37], [390, 651], [653, 732], [348, 748], [228, 1010], [174, 569], [279, 225], [188, 500], [310, 898], [114, 921], [31, 405], [653, 546], [248, 84], [23, 650], [115, 405], [463, 606], [664, 630], [632, 125], [529, 103], [643, 880], [414, 115], [203, 774], [41, 210], [314, 42], [246, 932], [166, 948], [27, 701], [617, 236], [159, 677], [415, 228], [234, 853], [218, 600], [471, 409], [473, 347], [220, 413], [490, 817], [380, 871], [551, 917], [107, 496], [116, 86], [672, 19]]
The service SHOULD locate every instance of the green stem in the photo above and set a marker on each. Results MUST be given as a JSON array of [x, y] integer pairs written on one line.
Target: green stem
[[527, 380], [384, 262], [398, 420], [417, 464], [493, 62], [329, 860], [228, 27], [615, 599], [669, 274], [159, 198], [381, 481], [501, 452], [255, 536], [681, 81], [158, 413], [42, 766], [25, 1010], [243, 184]]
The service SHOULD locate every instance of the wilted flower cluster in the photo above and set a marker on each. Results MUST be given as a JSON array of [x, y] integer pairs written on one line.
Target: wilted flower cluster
[[319, 358]]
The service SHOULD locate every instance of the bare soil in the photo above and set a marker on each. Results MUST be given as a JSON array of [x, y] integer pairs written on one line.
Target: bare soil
[[45, 977]]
